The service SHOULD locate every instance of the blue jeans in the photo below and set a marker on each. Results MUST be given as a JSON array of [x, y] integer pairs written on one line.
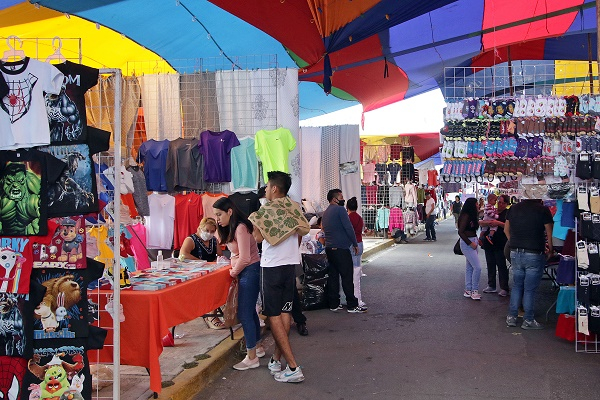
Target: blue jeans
[[430, 227], [249, 285], [473, 267], [528, 269]]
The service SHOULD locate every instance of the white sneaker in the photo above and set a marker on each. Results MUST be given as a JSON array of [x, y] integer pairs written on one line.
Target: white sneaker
[[274, 366], [260, 352], [247, 363], [287, 375], [475, 295], [489, 289]]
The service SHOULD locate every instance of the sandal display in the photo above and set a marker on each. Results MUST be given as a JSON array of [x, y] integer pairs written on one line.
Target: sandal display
[[214, 323]]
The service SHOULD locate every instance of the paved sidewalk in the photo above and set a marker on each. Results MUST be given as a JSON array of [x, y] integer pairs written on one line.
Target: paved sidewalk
[[421, 339]]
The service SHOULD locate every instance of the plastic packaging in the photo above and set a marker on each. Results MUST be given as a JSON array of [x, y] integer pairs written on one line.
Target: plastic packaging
[[159, 256]]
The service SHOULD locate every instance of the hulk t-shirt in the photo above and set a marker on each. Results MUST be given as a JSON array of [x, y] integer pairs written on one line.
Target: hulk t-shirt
[[273, 148], [25, 176]]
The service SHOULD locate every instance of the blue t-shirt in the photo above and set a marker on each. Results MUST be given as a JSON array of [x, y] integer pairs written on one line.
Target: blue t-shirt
[[154, 156]]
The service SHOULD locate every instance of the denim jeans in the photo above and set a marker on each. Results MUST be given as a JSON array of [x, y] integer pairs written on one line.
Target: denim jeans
[[473, 267], [249, 285], [430, 227], [528, 269]]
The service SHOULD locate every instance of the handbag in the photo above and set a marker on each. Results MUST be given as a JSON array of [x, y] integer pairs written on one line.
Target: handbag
[[230, 309], [457, 249]]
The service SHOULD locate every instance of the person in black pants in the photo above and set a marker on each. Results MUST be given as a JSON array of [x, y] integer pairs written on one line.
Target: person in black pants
[[298, 316], [429, 217], [494, 253], [340, 240]]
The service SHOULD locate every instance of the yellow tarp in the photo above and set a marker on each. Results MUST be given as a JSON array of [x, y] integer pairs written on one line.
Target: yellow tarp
[[99, 48], [575, 74]]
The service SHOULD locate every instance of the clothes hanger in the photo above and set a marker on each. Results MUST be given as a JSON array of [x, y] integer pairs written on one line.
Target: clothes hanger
[[57, 55], [13, 54]]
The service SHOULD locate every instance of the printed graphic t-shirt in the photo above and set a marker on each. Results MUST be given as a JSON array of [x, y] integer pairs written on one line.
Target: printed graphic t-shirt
[[25, 176], [66, 111], [75, 191], [273, 148], [23, 117], [216, 149]]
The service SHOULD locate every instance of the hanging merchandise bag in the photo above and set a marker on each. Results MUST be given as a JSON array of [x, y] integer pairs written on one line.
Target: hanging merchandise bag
[[314, 284], [230, 309]]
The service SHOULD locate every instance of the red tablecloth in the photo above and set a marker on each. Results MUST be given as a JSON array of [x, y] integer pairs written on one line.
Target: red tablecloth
[[150, 315]]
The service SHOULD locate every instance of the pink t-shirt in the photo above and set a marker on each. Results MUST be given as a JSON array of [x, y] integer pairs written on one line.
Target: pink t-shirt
[[244, 250]]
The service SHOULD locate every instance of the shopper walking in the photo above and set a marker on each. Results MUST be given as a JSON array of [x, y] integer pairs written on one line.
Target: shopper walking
[[339, 239], [429, 217], [279, 259], [235, 230], [456, 208], [357, 225], [468, 223], [526, 223], [494, 253]]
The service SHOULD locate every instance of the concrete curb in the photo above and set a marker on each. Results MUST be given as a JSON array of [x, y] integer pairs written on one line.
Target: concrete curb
[[192, 381], [385, 243]]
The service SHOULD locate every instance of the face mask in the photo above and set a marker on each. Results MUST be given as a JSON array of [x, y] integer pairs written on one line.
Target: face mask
[[206, 235], [263, 201], [341, 203]]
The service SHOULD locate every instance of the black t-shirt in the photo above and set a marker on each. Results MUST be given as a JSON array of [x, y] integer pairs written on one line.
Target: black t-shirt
[[65, 302], [11, 379], [66, 111], [25, 176], [456, 207], [16, 320], [185, 166], [75, 191], [65, 362], [527, 220], [246, 202]]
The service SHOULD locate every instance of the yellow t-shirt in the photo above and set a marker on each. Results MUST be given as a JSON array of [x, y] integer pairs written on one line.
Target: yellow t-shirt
[[273, 148], [106, 255]]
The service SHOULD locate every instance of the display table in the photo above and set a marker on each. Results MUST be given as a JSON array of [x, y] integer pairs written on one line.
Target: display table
[[150, 314]]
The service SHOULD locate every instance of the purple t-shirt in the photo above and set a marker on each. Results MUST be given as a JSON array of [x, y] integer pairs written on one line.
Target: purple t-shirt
[[154, 156], [216, 149]]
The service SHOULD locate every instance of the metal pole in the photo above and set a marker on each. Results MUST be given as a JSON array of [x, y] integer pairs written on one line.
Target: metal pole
[[510, 71], [590, 61]]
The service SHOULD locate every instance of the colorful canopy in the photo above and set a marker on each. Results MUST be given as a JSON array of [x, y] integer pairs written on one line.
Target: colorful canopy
[[373, 51]]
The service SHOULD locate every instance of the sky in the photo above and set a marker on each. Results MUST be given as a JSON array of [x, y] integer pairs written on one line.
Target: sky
[[423, 113]]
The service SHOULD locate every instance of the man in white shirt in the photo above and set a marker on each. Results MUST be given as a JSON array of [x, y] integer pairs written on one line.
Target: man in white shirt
[[429, 218]]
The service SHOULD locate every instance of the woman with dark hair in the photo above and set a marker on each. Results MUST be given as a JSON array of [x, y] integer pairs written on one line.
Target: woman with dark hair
[[358, 225], [235, 230], [468, 223]]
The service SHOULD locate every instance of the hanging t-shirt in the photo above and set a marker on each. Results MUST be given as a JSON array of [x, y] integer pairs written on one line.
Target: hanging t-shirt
[[25, 176], [244, 165], [11, 379], [62, 312], [104, 252], [140, 191], [75, 191], [185, 166], [245, 202], [59, 368], [67, 245], [208, 199], [66, 111], [138, 244], [188, 213], [154, 156], [161, 221], [23, 117], [432, 177], [16, 320], [216, 149], [273, 148]]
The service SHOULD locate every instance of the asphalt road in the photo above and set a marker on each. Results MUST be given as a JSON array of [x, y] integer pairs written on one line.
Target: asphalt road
[[421, 339]]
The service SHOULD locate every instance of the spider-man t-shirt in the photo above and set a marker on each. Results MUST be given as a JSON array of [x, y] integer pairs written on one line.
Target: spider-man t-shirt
[[63, 312], [66, 111], [75, 191], [12, 372], [25, 176], [23, 117]]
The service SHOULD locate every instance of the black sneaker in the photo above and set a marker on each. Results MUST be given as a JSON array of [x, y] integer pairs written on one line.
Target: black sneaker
[[427, 240]]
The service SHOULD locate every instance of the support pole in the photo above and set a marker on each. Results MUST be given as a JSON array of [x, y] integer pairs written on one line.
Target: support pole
[[590, 63], [510, 71]]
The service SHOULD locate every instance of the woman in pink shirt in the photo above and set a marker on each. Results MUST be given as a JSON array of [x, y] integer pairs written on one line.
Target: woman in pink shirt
[[236, 231]]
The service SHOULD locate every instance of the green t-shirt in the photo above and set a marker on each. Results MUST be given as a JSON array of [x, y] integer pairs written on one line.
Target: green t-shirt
[[273, 147]]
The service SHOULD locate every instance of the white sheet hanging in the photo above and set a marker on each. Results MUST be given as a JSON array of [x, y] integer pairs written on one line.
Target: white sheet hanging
[[350, 154], [310, 139], [161, 100]]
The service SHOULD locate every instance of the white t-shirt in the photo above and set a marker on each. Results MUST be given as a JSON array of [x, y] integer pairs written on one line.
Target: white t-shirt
[[430, 206], [285, 253], [161, 222], [23, 116]]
